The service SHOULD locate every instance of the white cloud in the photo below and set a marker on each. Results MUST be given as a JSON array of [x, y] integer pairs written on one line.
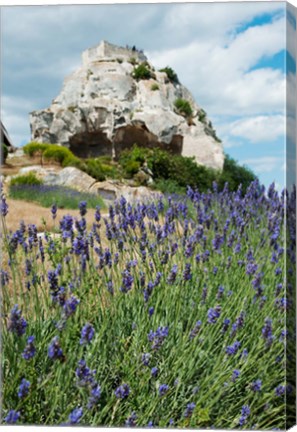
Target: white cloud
[[264, 164], [220, 74], [259, 129]]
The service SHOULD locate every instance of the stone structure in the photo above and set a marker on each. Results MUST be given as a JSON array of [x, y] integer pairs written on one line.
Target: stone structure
[[102, 109]]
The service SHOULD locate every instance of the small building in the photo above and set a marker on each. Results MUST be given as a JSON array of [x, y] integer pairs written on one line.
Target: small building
[[5, 138]]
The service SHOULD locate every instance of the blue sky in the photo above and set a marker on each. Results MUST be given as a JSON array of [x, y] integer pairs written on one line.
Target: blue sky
[[231, 56]]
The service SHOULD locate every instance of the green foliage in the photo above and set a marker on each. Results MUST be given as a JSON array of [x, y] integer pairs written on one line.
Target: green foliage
[[154, 87], [46, 196], [33, 148], [26, 179], [202, 117], [4, 152], [57, 153], [183, 107], [142, 72], [93, 167], [168, 186], [172, 76], [72, 161], [235, 174]]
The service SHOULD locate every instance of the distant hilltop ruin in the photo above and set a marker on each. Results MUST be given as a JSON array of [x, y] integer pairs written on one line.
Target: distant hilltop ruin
[[117, 99]]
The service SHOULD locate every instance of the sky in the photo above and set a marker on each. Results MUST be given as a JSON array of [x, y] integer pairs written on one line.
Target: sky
[[233, 57]]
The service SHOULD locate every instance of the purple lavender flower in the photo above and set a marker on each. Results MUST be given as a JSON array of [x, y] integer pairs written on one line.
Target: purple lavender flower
[[30, 349], [245, 412], [154, 371], [24, 388], [256, 385], [122, 392], [267, 332], [131, 420], [82, 208], [127, 281], [12, 417], [280, 390], [151, 311], [163, 389], [94, 396], [54, 211], [189, 410], [226, 324], [187, 275], [157, 338], [54, 350], [213, 314], [195, 330], [235, 375], [83, 374], [232, 349], [87, 334], [17, 324], [3, 204], [75, 416], [145, 358], [97, 214], [70, 306]]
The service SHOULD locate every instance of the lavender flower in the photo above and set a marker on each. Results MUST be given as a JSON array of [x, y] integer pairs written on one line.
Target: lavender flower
[[151, 311], [245, 412], [256, 385], [189, 410], [95, 395], [75, 416], [83, 374], [235, 375], [87, 334], [54, 350], [131, 421], [157, 338], [82, 208], [70, 306], [280, 390], [122, 392], [163, 389], [187, 275], [24, 388], [17, 324], [30, 349], [195, 330], [146, 359], [54, 211], [232, 349], [154, 372], [213, 314], [12, 417]]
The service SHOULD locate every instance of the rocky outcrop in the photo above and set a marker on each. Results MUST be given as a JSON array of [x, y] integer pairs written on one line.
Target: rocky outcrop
[[104, 108]]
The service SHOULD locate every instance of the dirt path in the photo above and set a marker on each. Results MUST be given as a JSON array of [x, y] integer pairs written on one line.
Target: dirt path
[[32, 213]]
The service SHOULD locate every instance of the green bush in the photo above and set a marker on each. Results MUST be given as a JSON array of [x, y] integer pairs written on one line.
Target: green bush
[[4, 153], [142, 72], [32, 148], [154, 87], [93, 167], [57, 153], [26, 179], [131, 168], [172, 76], [168, 186], [72, 161], [202, 117], [183, 107], [235, 174]]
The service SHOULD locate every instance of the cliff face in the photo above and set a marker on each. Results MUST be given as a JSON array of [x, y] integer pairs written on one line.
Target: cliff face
[[104, 108]]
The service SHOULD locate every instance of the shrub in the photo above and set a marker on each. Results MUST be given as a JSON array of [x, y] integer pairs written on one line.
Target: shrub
[[26, 179], [57, 153], [33, 148], [172, 76], [142, 72], [202, 116], [131, 168], [168, 186], [4, 153], [93, 167], [154, 87], [183, 107], [235, 174], [72, 161]]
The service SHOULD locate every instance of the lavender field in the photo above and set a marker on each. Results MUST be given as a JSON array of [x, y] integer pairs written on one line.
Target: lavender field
[[171, 313]]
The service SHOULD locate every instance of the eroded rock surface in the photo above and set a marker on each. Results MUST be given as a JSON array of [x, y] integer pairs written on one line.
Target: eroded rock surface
[[102, 109]]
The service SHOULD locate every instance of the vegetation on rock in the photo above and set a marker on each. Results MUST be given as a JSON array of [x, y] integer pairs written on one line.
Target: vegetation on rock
[[183, 107], [171, 74]]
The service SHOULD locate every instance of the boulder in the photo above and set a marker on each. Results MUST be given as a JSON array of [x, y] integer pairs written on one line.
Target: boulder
[[103, 109]]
